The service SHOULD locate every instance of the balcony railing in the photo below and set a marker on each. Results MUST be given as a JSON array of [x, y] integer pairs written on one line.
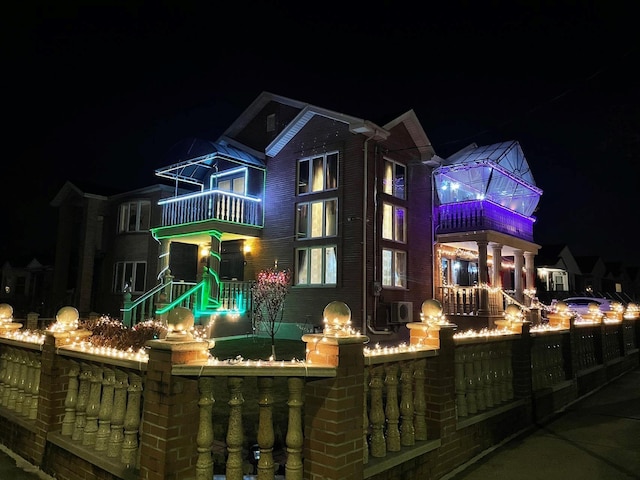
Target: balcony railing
[[211, 205], [482, 215]]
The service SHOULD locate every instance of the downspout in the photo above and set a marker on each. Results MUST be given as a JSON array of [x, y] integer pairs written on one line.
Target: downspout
[[367, 327]]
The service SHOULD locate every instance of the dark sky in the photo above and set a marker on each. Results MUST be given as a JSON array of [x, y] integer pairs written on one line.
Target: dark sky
[[100, 91]]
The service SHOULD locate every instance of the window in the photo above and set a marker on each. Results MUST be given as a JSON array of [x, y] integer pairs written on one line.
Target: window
[[393, 180], [233, 180], [394, 268], [316, 266], [134, 216], [317, 219], [394, 224], [318, 173], [130, 275]]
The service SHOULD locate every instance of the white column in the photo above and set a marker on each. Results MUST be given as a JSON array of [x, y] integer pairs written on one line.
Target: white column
[[482, 277], [496, 277], [530, 273], [518, 262]]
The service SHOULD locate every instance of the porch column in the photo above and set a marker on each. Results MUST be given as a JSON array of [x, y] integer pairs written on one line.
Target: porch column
[[529, 273], [518, 261], [163, 258], [213, 267], [496, 277], [483, 308]]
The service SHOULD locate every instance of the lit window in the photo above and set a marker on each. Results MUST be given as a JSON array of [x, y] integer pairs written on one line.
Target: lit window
[[318, 174], [394, 223], [134, 216], [130, 276], [394, 268], [233, 180], [393, 180], [316, 266], [317, 219]]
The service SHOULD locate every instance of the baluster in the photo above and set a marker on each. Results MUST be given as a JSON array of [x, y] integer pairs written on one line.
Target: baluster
[[234, 432], [81, 404], [407, 430], [106, 409], [204, 463], [119, 408], [376, 414], [15, 380], [470, 381], [391, 408], [28, 387], [478, 378], [35, 389], [93, 407], [487, 375], [22, 380], [71, 399], [295, 437], [265, 428], [460, 383], [3, 373], [132, 421], [419, 400], [365, 418], [494, 358], [509, 371]]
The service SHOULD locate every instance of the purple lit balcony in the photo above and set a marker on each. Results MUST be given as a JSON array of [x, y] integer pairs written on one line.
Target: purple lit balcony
[[215, 205], [476, 215]]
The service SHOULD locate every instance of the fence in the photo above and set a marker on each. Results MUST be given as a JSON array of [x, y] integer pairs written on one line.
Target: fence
[[349, 411]]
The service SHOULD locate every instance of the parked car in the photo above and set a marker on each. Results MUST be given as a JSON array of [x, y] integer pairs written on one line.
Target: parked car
[[581, 304]]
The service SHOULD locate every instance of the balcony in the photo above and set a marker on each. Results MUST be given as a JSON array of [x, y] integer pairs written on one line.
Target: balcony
[[477, 215], [216, 205]]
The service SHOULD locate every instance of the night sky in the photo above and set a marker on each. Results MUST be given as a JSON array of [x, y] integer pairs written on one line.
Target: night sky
[[99, 92]]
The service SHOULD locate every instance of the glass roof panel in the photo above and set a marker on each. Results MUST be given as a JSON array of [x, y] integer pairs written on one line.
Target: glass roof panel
[[499, 173]]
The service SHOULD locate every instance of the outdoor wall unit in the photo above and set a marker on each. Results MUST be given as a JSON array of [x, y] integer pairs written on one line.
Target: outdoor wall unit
[[401, 312]]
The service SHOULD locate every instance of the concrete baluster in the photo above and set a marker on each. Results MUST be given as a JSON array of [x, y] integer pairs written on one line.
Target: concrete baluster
[[204, 440], [106, 409], [392, 412], [407, 429], [15, 380], [419, 400], [117, 419], [487, 375], [365, 417], [93, 407], [132, 421], [460, 382], [376, 414], [295, 436], [81, 405], [266, 436], [234, 432], [22, 380], [35, 389], [6, 392], [470, 381], [28, 387], [478, 378], [3, 373]]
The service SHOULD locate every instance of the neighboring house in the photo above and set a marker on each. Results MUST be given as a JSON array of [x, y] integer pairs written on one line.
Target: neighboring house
[[103, 246], [592, 269], [26, 286], [556, 270]]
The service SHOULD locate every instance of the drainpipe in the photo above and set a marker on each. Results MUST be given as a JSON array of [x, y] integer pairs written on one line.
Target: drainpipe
[[367, 327]]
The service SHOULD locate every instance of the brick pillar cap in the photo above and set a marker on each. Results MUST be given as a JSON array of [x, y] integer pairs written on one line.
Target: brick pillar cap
[[186, 346]]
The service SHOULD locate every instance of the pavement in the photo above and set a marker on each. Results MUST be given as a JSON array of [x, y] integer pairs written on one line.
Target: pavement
[[595, 438]]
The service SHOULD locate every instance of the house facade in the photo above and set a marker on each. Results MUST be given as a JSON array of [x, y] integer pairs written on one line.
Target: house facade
[[357, 212]]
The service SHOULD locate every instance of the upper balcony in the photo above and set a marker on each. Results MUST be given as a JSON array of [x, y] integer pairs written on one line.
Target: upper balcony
[[486, 188], [482, 215], [217, 187]]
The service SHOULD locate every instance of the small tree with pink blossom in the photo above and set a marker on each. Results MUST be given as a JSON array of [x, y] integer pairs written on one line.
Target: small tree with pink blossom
[[269, 293]]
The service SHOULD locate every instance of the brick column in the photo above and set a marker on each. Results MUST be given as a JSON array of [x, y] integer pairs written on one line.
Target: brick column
[[168, 446], [333, 443], [52, 391], [441, 388], [521, 364]]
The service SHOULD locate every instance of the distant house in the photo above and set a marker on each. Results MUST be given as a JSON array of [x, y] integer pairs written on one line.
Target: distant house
[[556, 272], [26, 286], [593, 270]]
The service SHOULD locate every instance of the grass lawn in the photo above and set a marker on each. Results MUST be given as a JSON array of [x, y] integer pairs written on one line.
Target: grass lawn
[[258, 348]]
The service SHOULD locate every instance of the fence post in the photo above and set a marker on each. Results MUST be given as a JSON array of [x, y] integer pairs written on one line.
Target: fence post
[[168, 435], [126, 309], [333, 443]]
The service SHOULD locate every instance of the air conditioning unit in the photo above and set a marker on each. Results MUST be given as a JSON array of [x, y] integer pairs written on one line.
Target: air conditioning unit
[[401, 312]]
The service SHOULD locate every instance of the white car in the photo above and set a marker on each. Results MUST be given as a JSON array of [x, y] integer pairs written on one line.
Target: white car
[[581, 304]]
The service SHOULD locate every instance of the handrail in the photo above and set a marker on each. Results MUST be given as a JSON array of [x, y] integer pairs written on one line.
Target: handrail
[[142, 298]]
